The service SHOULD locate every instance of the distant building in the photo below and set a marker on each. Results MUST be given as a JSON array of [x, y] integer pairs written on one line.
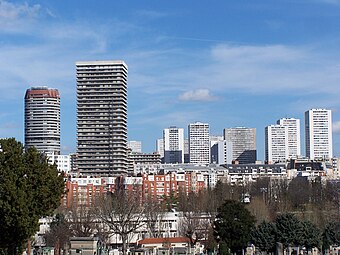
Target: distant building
[[173, 138], [160, 147], [318, 131], [224, 152], [214, 140], [186, 151], [135, 146], [244, 143], [145, 158], [276, 144], [294, 140], [63, 163], [74, 162], [42, 120], [102, 117], [199, 143]]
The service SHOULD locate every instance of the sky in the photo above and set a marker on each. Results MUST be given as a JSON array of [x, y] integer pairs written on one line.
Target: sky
[[228, 63]]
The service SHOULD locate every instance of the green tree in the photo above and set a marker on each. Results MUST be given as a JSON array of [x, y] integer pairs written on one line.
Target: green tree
[[233, 225], [264, 237], [311, 235], [30, 188], [331, 235], [289, 230]]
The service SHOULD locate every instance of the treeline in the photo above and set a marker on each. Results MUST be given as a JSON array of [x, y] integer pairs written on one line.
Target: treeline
[[30, 189], [309, 208]]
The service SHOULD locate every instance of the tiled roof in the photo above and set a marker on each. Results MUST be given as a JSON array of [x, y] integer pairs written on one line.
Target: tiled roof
[[164, 240]]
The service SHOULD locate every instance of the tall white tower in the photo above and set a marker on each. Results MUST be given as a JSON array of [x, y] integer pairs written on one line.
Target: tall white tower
[[173, 138], [102, 117], [276, 143], [318, 124], [42, 120], [199, 144], [294, 140]]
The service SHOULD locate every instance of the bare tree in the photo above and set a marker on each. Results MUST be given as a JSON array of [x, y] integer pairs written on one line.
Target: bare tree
[[59, 233], [154, 214], [258, 208], [195, 221], [299, 192], [123, 214], [82, 220], [194, 225]]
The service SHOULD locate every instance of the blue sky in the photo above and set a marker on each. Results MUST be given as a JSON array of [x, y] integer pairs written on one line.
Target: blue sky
[[228, 63]]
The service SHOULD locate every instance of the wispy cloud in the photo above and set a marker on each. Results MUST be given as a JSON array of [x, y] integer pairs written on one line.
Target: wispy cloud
[[269, 69], [12, 11], [15, 17], [197, 95]]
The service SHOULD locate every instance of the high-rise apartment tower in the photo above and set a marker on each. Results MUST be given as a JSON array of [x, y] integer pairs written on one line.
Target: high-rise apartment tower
[[42, 120], [244, 143], [318, 125], [276, 144], [294, 143], [199, 143], [102, 117], [173, 138]]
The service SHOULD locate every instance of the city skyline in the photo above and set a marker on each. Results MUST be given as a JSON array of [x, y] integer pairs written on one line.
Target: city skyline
[[243, 64]]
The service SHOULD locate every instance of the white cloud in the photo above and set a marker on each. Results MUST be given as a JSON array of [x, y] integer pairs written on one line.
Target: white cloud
[[11, 11], [16, 18], [268, 69], [336, 127], [197, 95]]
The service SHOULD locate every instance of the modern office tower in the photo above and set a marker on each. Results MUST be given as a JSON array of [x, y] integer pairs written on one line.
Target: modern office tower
[[276, 144], [214, 140], [244, 143], [199, 144], [102, 117], [294, 143], [135, 146], [173, 138], [318, 131], [225, 152], [42, 120]]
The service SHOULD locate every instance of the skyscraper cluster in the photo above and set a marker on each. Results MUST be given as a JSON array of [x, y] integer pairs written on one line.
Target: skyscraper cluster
[[237, 145], [102, 146], [282, 141], [101, 118]]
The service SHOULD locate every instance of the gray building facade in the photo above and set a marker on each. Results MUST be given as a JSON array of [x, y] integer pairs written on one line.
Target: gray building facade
[[102, 117]]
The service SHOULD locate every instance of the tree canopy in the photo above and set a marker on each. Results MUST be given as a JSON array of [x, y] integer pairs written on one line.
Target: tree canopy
[[233, 225], [331, 235], [30, 188], [264, 237]]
